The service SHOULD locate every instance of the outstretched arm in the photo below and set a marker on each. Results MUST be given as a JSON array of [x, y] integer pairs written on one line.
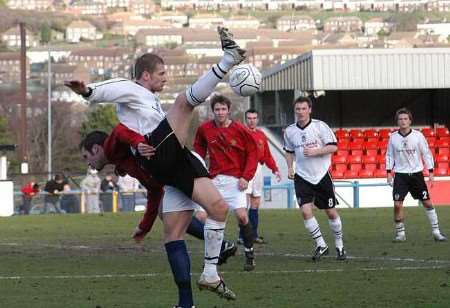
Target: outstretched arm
[[150, 214]]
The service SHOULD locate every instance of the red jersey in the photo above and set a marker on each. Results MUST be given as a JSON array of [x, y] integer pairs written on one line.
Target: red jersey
[[118, 152], [28, 190], [232, 150], [264, 155]]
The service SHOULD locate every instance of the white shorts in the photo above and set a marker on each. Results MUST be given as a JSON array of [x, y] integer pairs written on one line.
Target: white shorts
[[175, 201], [228, 186], [255, 186]]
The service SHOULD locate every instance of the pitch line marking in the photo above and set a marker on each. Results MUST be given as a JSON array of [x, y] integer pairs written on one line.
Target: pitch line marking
[[306, 271]]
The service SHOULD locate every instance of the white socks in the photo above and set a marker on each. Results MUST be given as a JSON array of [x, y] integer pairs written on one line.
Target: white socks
[[213, 242], [205, 85], [313, 227], [400, 229], [432, 217], [336, 227]]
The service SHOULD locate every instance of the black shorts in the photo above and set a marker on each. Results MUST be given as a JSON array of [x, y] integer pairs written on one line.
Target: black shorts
[[172, 164], [321, 194], [410, 182]]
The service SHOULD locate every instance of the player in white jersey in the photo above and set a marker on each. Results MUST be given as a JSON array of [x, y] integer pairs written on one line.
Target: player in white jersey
[[406, 149], [310, 143], [171, 163]]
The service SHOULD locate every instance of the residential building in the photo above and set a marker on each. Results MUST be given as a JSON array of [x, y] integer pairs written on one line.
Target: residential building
[[11, 38], [175, 18], [295, 23], [343, 24], [63, 71], [434, 28], [205, 21], [376, 24], [159, 37], [85, 7], [80, 29], [10, 67], [241, 22], [132, 26], [32, 5], [142, 7]]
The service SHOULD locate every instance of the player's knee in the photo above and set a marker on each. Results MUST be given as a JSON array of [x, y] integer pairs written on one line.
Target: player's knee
[[219, 210]]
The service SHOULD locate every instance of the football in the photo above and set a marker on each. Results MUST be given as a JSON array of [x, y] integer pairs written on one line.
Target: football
[[245, 80]]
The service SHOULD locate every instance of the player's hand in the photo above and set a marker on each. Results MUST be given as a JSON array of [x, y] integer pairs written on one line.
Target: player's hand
[[390, 179], [77, 86], [243, 184], [139, 235], [291, 173], [278, 175], [431, 179], [146, 150]]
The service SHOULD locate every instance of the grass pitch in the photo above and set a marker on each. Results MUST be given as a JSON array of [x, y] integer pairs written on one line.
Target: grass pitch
[[90, 261]]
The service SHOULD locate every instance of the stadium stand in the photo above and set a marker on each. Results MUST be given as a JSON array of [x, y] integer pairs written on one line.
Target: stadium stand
[[361, 152]]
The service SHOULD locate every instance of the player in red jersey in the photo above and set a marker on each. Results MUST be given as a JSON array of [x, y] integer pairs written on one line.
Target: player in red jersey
[[255, 186], [232, 164]]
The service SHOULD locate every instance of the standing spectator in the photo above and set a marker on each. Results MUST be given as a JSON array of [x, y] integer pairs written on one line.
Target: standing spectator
[[90, 186], [108, 187], [54, 188], [69, 202], [28, 192], [128, 186]]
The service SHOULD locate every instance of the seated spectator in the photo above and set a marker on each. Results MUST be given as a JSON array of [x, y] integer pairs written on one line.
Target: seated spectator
[[69, 201]]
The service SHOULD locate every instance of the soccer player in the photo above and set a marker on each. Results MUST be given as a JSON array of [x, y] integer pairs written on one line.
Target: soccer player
[[254, 190], [232, 164], [311, 142], [406, 149], [172, 164]]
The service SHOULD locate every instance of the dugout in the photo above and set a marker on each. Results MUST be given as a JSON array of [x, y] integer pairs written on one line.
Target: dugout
[[359, 87]]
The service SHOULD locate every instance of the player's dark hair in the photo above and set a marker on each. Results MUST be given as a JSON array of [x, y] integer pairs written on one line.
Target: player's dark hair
[[251, 110], [146, 62], [403, 111], [220, 99], [95, 137], [303, 99], [35, 186]]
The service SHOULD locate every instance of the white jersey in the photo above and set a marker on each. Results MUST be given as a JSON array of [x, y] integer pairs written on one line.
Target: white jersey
[[404, 153], [137, 108], [316, 134]]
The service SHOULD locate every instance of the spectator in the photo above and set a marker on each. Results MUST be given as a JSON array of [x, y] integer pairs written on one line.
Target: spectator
[[28, 192], [90, 185], [54, 188], [108, 186], [69, 202], [128, 186]]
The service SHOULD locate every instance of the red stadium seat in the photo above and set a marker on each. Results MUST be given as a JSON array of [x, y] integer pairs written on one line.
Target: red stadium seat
[[371, 167], [441, 144], [382, 166], [357, 152], [440, 151], [340, 167], [441, 165], [380, 173], [441, 172], [356, 144], [442, 132], [372, 140], [335, 174], [351, 174], [355, 159], [382, 144], [370, 133], [343, 144], [355, 167], [339, 159], [364, 173], [428, 132], [369, 159], [372, 152], [356, 134], [446, 138], [384, 133], [381, 158], [342, 134], [442, 157], [370, 145], [383, 152], [341, 152]]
